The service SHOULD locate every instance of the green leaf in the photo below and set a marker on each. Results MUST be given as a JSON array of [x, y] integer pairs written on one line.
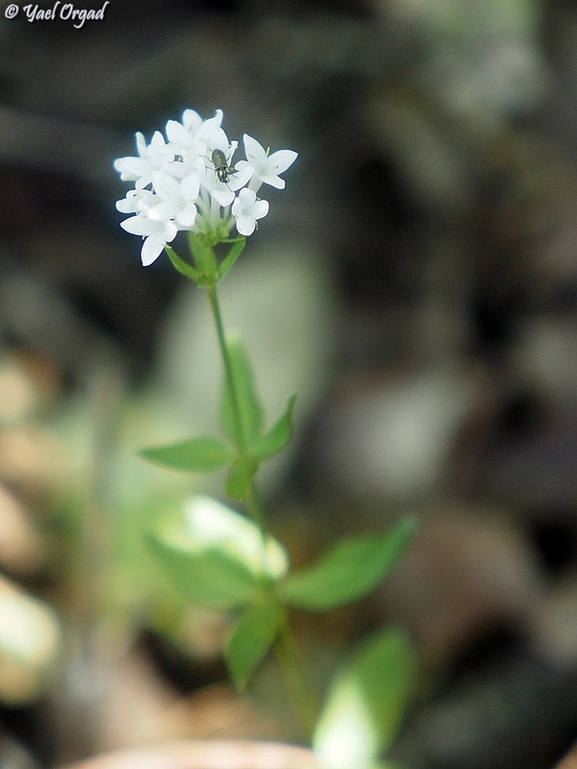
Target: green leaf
[[247, 400], [209, 577], [239, 478], [251, 639], [278, 436], [199, 455], [350, 570], [366, 702], [229, 260], [182, 266]]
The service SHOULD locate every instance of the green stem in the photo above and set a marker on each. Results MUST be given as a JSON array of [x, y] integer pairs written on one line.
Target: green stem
[[215, 305], [300, 692], [255, 510], [299, 689], [256, 513]]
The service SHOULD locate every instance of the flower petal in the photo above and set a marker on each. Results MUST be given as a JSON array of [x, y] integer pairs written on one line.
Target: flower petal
[[157, 142], [190, 186], [178, 135], [187, 216], [222, 196], [152, 248], [162, 211], [132, 168], [246, 198], [138, 225], [259, 209], [273, 181], [211, 127], [141, 145], [191, 120], [167, 188], [170, 231], [245, 225], [254, 150], [241, 176], [280, 160]]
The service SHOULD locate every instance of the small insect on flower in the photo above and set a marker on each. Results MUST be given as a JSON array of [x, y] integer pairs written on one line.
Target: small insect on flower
[[221, 167]]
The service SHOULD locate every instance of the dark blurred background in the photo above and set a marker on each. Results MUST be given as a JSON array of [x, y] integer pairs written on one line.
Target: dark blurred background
[[416, 282]]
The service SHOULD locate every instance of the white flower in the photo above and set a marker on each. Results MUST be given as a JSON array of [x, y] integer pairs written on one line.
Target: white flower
[[191, 122], [153, 157], [156, 235], [247, 209], [266, 167], [182, 137], [176, 199], [137, 201], [211, 131]]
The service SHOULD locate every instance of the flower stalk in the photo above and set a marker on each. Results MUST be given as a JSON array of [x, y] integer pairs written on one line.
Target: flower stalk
[[302, 696], [187, 182], [299, 689], [229, 374]]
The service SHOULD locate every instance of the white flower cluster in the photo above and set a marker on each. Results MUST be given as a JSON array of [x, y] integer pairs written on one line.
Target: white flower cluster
[[186, 182]]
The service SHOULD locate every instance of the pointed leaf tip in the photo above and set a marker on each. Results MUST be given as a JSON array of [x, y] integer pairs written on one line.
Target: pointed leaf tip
[[350, 570]]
